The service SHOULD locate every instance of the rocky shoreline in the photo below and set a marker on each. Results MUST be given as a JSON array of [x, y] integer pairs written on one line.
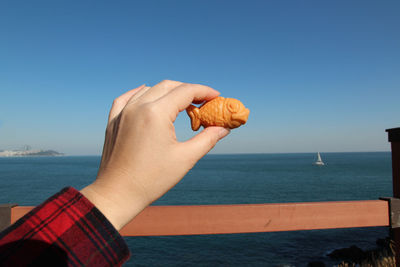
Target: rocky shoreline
[[352, 256]]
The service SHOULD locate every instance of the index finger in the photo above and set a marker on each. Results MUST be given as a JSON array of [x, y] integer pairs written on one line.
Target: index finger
[[121, 101], [182, 96]]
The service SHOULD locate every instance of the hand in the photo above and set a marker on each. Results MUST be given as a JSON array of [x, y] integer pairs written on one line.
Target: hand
[[142, 158]]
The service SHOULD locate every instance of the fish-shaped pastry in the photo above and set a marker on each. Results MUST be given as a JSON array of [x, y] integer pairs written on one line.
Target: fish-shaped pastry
[[220, 111]]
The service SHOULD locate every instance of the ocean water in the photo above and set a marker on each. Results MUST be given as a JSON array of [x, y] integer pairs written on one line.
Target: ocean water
[[229, 179]]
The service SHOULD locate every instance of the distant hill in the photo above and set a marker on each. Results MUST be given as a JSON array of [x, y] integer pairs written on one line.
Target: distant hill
[[29, 153]]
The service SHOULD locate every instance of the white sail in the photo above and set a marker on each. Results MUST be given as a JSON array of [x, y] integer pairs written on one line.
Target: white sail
[[319, 160]]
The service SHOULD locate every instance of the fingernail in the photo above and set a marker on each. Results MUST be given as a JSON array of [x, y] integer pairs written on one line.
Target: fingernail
[[223, 132]]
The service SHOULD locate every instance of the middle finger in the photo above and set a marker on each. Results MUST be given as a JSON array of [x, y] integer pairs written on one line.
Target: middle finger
[[159, 90]]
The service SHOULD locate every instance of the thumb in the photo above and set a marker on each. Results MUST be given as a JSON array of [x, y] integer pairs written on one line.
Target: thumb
[[203, 142]]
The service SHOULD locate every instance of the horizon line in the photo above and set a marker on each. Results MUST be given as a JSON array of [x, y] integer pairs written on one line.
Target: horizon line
[[252, 153]]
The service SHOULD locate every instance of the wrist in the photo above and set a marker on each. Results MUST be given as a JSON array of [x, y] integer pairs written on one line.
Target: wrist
[[116, 203]]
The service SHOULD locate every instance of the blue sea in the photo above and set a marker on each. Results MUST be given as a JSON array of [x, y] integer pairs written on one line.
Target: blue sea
[[229, 179]]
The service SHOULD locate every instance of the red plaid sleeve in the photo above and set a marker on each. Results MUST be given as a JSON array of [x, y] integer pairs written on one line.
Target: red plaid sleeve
[[65, 230]]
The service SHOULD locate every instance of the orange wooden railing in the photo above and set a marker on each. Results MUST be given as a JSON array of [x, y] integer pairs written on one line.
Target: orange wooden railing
[[224, 219]]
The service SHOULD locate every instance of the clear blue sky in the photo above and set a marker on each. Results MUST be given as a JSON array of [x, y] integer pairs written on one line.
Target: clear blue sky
[[316, 75]]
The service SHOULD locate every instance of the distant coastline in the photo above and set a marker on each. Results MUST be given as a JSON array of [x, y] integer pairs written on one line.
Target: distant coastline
[[29, 153]]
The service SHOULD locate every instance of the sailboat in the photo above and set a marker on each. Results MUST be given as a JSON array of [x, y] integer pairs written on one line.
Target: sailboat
[[319, 160]]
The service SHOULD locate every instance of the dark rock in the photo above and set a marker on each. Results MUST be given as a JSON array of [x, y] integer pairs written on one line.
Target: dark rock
[[316, 264], [383, 242], [353, 253]]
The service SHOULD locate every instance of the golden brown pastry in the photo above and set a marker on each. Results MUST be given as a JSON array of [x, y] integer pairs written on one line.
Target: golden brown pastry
[[225, 112]]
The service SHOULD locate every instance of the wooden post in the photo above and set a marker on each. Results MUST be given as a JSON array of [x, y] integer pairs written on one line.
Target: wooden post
[[5, 215], [394, 139]]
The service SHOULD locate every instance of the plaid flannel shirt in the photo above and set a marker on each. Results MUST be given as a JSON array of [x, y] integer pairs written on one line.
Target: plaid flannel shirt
[[65, 230]]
